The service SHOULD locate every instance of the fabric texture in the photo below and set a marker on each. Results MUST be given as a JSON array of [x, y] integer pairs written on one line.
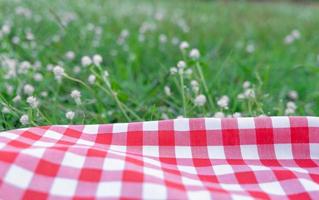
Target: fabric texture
[[204, 158]]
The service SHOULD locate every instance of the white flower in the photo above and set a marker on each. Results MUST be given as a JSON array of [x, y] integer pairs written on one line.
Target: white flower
[[5, 110], [16, 99], [106, 74], [189, 71], [58, 72], [77, 69], [173, 70], [76, 95], [38, 77], [6, 28], [70, 115], [97, 59], [250, 48], [194, 54], [15, 40], [44, 93], [246, 85], [91, 79], [195, 86], [181, 64], [70, 55], [194, 83], [200, 100], [86, 61], [223, 102], [293, 95], [163, 38], [289, 111], [237, 114], [33, 102], [50, 67], [28, 89], [249, 93], [291, 105], [183, 45], [167, 91], [295, 33], [289, 39], [219, 115], [241, 96], [290, 108], [24, 67], [24, 119]]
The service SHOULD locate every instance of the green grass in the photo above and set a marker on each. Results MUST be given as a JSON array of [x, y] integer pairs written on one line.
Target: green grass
[[139, 71]]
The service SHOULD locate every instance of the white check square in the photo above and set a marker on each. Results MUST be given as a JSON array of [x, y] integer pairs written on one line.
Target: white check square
[[283, 151], [109, 189], [91, 129], [216, 152], [154, 191], [152, 151], [183, 152], [280, 122], [112, 164], [120, 128], [249, 151], [150, 126], [18, 177], [246, 123], [213, 124], [73, 160], [63, 187], [181, 124]]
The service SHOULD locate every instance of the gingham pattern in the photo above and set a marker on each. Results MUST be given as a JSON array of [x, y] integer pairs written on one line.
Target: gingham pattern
[[205, 158]]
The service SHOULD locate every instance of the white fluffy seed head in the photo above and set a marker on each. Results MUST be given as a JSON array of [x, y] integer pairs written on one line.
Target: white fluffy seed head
[[249, 93], [291, 105], [237, 114], [295, 33], [223, 102], [24, 119], [167, 90], [289, 111], [70, 55], [76, 94], [200, 100], [194, 54], [183, 45], [97, 59], [173, 70], [250, 48], [91, 79], [86, 61], [70, 115], [33, 102], [181, 64], [38, 77], [246, 84], [219, 115], [293, 95], [58, 72], [289, 39], [28, 89], [5, 110], [16, 99]]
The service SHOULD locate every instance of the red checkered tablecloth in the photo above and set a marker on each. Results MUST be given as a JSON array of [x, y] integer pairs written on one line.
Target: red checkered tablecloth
[[204, 158]]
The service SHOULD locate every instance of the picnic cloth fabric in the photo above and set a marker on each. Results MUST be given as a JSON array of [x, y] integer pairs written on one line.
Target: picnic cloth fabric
[[204, 158]]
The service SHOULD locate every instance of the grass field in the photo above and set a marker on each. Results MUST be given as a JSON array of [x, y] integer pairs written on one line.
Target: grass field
[[117, 61]]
